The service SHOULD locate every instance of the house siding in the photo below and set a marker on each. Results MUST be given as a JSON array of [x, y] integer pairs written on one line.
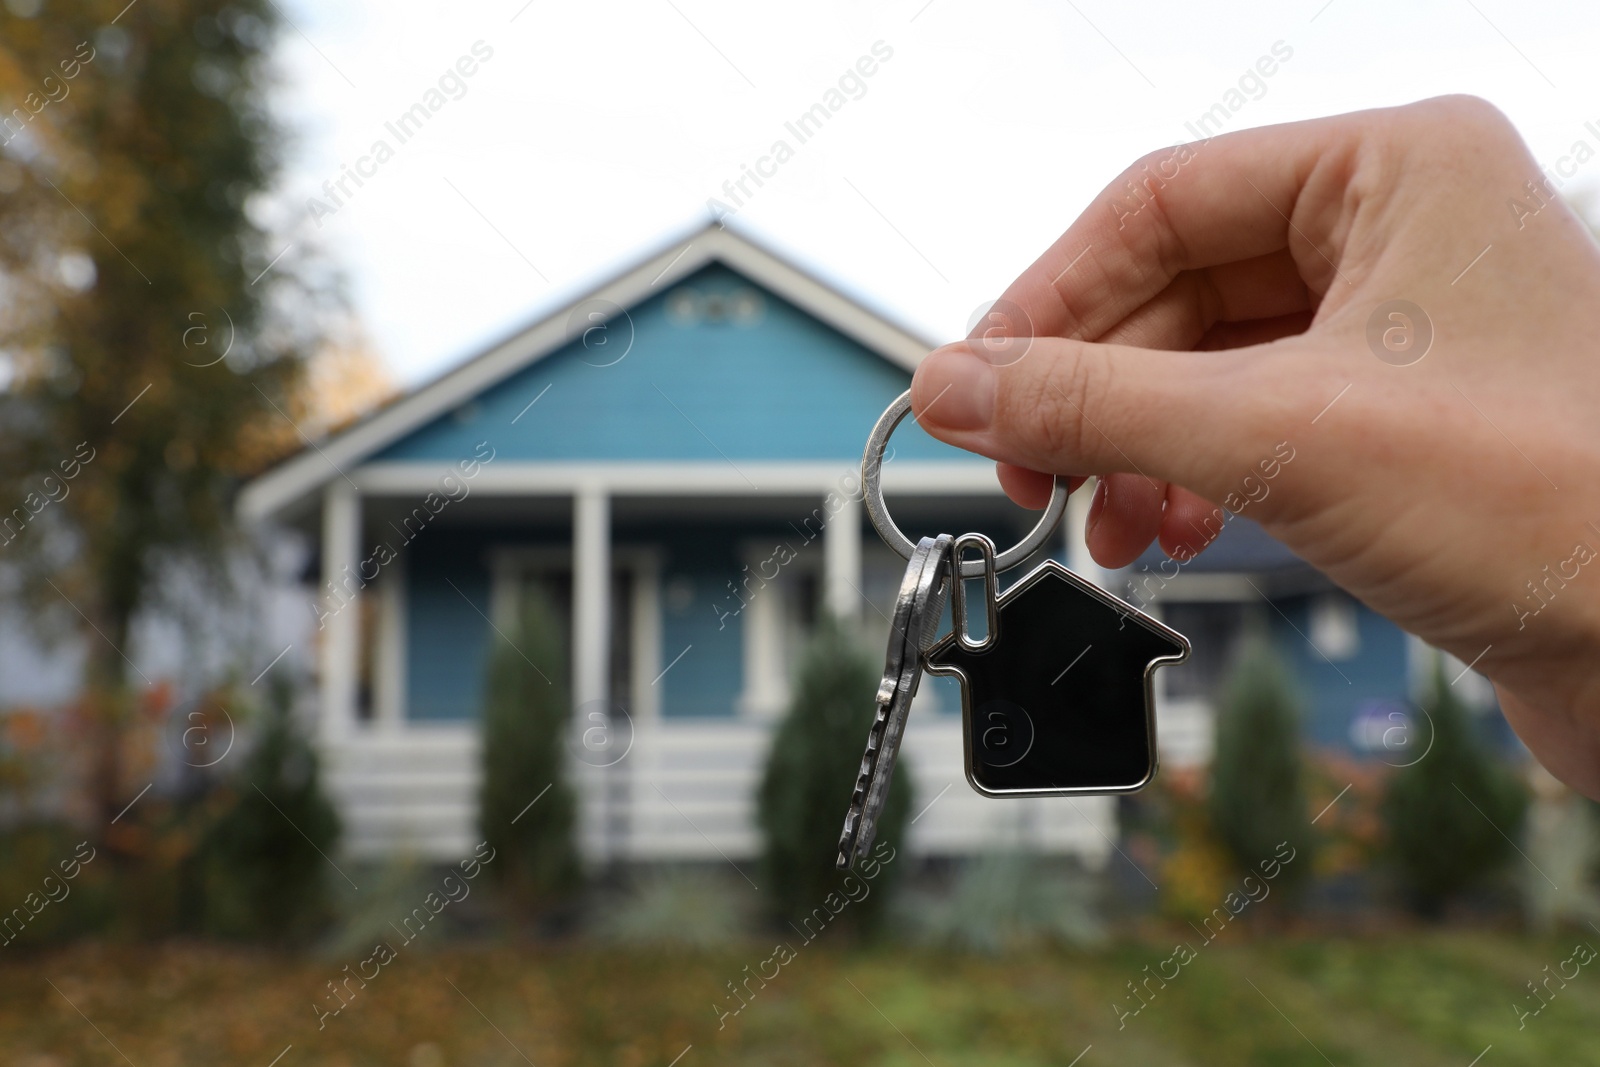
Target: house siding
[[785, 387], [1333, 693], [447, 640], [699, 563]]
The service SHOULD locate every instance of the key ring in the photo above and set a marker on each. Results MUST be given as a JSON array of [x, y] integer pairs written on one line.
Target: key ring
[[878, 510]]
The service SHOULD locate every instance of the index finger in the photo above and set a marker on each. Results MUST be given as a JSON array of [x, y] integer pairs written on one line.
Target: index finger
[[1197, 205]]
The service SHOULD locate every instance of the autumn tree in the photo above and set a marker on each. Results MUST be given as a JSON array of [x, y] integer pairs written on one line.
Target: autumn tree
[[145, 364]]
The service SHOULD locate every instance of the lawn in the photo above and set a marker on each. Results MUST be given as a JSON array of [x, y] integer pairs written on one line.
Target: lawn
[[1415, 999]]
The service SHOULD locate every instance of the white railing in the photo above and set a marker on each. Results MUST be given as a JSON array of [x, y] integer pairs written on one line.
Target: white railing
[[686, 790]]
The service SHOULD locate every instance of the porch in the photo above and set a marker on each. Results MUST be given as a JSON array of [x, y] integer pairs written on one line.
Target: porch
[[683, 611]]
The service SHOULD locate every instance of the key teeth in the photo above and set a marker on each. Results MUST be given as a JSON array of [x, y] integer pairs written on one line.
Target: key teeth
[[847, 837], [855, 817]]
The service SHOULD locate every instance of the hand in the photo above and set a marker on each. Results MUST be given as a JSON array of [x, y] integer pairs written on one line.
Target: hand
[[1180, 336]]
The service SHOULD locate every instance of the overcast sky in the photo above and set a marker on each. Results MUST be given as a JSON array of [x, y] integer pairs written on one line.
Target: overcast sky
[[595, 132]]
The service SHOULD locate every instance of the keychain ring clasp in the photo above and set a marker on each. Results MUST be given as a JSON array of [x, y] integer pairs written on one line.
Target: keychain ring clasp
[[878, 510], [991, 593]]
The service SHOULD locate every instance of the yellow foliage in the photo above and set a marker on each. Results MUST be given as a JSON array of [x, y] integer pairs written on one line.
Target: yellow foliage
[[1195, 876], [343, 381]]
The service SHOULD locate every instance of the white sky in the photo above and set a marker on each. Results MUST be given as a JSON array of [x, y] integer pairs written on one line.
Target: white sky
[[597, 131]]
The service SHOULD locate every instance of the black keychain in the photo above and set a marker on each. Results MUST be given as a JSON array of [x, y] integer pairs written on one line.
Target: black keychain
[[1057, 696]]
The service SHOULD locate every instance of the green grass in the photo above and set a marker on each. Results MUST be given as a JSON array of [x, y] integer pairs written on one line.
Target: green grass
[[1416, 998]]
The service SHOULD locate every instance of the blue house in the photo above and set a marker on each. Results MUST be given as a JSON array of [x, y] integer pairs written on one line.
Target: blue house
[[675, 459]]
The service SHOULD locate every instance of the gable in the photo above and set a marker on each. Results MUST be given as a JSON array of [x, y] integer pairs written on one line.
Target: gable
[[716, 366]]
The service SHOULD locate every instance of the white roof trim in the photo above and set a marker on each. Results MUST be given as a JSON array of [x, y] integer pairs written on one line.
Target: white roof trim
[[308, 470], [700, 478]]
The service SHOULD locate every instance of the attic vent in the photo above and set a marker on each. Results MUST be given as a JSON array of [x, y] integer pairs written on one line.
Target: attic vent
[[742, 306]]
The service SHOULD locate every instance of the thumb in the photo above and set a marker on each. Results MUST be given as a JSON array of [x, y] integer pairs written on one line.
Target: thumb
[[1200, 419]]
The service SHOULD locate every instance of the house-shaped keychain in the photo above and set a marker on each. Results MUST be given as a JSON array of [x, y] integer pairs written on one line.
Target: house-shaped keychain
[[1061, 701]]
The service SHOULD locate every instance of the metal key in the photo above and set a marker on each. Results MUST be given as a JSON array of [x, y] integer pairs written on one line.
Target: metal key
[[893, 669], [918, 608]]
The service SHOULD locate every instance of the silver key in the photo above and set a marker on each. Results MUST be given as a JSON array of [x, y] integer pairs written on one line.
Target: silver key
[[894, 671], [918, 608]]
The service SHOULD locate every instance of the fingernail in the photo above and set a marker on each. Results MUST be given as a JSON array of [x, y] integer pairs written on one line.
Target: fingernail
[[954, 388], [1096, 507]]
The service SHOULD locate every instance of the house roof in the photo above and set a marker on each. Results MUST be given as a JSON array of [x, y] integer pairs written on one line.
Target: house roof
[[292, 481]]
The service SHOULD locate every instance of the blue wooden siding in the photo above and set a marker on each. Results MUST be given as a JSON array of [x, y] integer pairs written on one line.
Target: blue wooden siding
[[1334, 692], [697, 615], [447, 640], [783, 387]]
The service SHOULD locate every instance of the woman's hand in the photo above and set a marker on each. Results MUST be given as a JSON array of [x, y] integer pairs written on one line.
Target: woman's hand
[[1223, 298]]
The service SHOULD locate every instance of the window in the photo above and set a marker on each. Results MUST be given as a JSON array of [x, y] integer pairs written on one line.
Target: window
[[1335, 632]]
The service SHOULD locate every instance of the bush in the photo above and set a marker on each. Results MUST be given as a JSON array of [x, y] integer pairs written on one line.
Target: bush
[[391, 887], [1009, 899], [810, 776], [1198, 871], [677, 907], [1257, 795], [1438, 843], [525, 721], [262, 865], [51, 887]]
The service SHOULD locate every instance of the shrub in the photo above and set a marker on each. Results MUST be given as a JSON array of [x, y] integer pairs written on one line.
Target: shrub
[[390, 887], [1009, 899], [525, 721], [677, 907], [810, 775], [1257, 795], [1451, 816], [52, 888], [262, 864], [1198, 872]]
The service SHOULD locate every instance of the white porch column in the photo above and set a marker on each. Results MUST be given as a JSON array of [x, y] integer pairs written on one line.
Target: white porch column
[[591, 595], [339, 608], [841, 561], [1078, 557], [389, 661]]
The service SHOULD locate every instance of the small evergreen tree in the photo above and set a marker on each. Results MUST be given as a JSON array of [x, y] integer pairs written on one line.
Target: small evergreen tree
[[1439, 844], [263, 866], [1257, 798], [525, 721], [810, 776]]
